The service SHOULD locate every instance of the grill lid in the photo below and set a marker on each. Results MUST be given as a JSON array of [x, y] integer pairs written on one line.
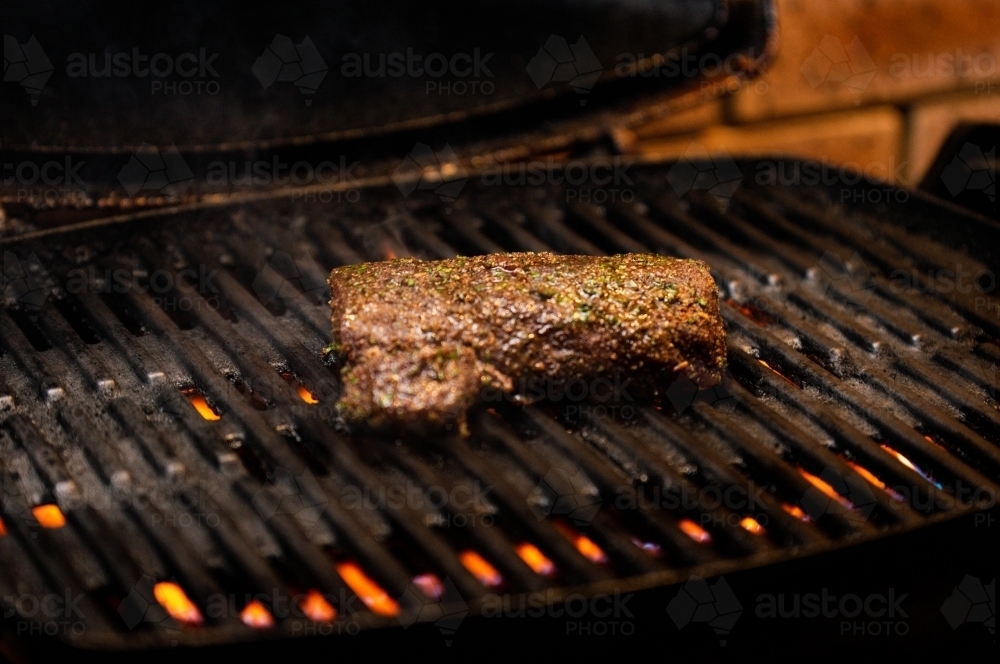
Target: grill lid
[[234, 77]]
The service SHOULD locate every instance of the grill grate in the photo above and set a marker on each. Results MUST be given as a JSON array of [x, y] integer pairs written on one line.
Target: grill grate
[[166, 389]]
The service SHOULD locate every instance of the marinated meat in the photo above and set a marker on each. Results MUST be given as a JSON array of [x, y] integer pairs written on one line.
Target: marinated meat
[[422, 341]]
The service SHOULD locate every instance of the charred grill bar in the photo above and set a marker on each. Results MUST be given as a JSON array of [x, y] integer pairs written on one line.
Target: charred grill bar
[[167, 393]]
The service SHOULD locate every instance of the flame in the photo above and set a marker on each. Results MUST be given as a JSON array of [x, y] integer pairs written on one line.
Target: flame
[[586, 546], [867, 474], [590, 550], [652, 548], [480, 568], [197, 400], [779, 374], [796, 511], [317, 608], [370, 592], [751, 312], [694, 531], [257, 616], [752, 526], [302, 390], [825, 488], [535, 559], [899, 457], [909, 464], [306, 395], [388, 252], [3, 528], [874, 481], [175, 601], [935, 443], [430, 585], [49, 516]]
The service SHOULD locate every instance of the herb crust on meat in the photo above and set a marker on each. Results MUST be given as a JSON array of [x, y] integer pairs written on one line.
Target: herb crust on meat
[[421, 340]]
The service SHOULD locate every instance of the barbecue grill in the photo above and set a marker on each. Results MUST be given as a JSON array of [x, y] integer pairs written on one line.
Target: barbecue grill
[[174, 466], [861, 406]]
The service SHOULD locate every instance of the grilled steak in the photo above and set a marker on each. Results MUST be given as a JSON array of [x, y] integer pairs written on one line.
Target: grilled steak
[[422, 341]]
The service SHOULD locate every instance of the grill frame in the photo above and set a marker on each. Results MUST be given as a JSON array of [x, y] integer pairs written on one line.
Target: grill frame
[[572, 237]]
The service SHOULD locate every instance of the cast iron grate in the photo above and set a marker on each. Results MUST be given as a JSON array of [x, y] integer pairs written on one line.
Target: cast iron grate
[[164, 393]]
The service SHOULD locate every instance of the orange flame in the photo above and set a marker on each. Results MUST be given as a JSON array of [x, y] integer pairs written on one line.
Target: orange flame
[[301, 389], [480, 568], [779, 374], [370, 592], [912, 466], [3, 528], [49, 516], [590, 550], [935, 443], [902, 459], [694, 531], [197, 400], [317, 608], [751, 312], [867, 474], [586, 546], [825, 488], [306, 395], [175, 601], [796, 511], [751, 525], [256, 615], [535, 559]]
